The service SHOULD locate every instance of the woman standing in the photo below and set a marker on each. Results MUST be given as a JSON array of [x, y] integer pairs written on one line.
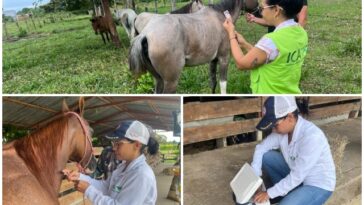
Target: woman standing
[[133, 182], [277, 58]]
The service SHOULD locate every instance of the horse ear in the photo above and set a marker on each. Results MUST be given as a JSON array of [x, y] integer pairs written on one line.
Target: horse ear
[[81, 105], [65, 106]]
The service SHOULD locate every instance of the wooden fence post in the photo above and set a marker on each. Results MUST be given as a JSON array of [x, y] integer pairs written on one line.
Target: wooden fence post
[[156, 6], [173, 2], [17, 24], [6, 30], [221, 143]]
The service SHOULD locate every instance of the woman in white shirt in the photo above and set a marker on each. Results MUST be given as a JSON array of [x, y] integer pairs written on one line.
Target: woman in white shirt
[[133, 182], [303, 170]]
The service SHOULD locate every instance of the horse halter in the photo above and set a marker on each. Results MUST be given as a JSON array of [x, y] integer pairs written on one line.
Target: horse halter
[[88, 139], [256, 9]]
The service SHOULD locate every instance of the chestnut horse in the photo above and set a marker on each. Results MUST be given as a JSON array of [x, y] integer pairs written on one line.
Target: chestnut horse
[[32, 166]]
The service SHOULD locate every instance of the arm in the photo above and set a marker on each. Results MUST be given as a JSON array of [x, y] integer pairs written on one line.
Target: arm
[[309, 152], [101, 185], [76, 177], [302, 16], [269, 143], [243, 43], [254, 58], [253, 19], [134, 191]]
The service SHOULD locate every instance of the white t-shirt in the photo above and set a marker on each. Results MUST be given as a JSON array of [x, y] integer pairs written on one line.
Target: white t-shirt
[[268, 46], [308, 156], [134, 186]]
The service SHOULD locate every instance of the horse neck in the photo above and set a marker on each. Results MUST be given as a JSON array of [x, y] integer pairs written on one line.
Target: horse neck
[[237, 9], [234, 9], [183, 10], [45, 153]]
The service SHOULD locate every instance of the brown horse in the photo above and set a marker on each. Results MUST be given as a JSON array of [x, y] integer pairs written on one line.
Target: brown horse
[[32, 166], [100, 25]]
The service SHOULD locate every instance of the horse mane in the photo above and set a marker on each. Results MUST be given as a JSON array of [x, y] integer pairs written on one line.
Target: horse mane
[[225, 5], [39, 150], [184, 9]]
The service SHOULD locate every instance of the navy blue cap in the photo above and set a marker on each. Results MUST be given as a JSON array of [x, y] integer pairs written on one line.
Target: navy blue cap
[[130, 129], [275, 108]]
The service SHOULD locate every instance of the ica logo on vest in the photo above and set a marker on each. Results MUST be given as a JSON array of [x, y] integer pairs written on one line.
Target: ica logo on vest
[[297, 55]]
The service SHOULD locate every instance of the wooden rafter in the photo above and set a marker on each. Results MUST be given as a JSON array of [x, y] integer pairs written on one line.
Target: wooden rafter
[[58, 113], [8, 99]]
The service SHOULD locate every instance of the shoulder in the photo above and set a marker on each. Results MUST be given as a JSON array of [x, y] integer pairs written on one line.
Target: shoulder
[[145, 171], [267, 45], [312, 132]]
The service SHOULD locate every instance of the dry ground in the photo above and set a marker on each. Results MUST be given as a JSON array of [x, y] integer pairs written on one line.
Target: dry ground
[[207, 174]]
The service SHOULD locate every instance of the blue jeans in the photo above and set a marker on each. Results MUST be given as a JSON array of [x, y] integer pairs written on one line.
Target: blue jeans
[[277, 169]]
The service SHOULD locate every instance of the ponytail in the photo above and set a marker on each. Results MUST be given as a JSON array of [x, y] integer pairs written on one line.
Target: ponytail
[[153, 146], [302, 104]]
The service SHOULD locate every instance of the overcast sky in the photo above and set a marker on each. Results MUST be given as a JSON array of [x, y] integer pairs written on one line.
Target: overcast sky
[[19, 4], [169, 136]]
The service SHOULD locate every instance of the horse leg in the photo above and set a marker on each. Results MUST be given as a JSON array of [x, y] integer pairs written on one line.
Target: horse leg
[[103, 38], [159, 85], [170, 86], [213, 82], [107, 36], [224, 64]]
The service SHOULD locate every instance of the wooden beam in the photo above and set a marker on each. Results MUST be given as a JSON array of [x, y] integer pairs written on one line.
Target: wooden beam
[[217, 109], [203, 133], [153, 107], [119, 107], [57, 114], [317, 100], [13, 100], [334, 110]]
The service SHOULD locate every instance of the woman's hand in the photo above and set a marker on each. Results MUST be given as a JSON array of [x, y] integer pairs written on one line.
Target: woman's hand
[[230, 28], [261, 197], [81, 186], [240, 38], [250, 18], [72, 175]]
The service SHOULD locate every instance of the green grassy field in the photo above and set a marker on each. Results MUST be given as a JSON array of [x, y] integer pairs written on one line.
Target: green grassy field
[[67, 57]]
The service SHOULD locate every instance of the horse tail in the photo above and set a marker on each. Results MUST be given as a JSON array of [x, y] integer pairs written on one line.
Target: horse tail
[[139, 61]]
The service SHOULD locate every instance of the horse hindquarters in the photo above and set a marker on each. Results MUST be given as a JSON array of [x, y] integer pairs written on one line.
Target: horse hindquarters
[[139, 61]]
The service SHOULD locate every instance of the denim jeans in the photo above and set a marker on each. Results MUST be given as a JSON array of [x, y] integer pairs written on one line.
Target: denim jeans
[[277, 169]]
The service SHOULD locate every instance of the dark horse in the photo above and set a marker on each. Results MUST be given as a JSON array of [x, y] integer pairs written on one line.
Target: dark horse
[[32, 165], [100, 25], [169, 42]]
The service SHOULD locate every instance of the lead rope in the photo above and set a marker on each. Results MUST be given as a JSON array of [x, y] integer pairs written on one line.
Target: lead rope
[[79, 166], [84, 127]]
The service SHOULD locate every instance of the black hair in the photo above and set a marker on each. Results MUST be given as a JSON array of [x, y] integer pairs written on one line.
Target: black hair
[[302, 104], [290, 7], [153, 145]]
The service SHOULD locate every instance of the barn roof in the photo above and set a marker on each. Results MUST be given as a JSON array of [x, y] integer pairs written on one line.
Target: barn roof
[[102, 112]]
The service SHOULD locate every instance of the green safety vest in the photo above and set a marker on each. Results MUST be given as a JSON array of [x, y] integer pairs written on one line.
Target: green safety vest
[[282, 75]]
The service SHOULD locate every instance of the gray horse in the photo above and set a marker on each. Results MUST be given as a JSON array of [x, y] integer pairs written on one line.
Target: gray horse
[[143, 18], [127, 19], [170, 42]]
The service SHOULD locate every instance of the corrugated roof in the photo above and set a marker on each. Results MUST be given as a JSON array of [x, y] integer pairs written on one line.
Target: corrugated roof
[[102, 112]]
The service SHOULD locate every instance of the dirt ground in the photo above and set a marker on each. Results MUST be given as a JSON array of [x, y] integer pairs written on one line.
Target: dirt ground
[[163, 184], [207, 174]]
